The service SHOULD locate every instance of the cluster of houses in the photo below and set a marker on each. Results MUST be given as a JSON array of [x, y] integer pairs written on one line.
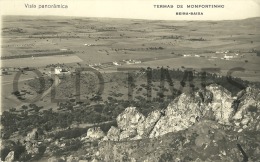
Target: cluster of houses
[[127, 62], [59, 70], [132, 61], [189, 55], [224, 55], [88, 44], [228, 57]]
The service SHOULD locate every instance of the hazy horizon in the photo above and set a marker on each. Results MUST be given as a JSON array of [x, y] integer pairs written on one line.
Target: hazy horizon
[[64, 16]]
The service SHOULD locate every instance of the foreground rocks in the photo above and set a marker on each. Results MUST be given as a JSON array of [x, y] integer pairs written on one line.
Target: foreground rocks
[[95, 133], [247, 114], [221, 103], [206, 140], [214, 103], [208, 125], [10, 157]]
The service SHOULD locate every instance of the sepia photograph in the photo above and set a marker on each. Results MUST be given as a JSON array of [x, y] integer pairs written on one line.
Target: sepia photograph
[[130, 81]]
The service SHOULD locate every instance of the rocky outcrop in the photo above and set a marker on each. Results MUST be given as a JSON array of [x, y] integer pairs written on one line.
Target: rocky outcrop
[[214, 103], [128, 122], [129, 119], [144, 128], [33, 135], [247, 114], [95, 133], [31, 143], [221, 103], [179, 115], [72, 159], [64, 159], [113, 134], [204, 141], [32, 147], [10, 157], [127, 134], [54, 159]]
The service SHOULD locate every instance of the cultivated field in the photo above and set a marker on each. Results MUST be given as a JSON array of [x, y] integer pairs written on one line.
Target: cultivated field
[[40, 61]]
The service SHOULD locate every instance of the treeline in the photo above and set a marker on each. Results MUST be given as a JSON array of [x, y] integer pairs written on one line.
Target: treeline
[[189, 78], [108, 110], [47, 120]]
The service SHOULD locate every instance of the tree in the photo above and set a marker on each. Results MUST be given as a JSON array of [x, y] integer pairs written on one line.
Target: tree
[[24, 107]]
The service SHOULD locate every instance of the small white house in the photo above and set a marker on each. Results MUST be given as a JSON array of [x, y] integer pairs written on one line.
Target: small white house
[[133, 61], [57, 70], [116, 63], [227, 57]]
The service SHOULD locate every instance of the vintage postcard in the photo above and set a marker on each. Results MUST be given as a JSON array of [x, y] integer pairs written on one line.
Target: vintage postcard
[[130, 81]]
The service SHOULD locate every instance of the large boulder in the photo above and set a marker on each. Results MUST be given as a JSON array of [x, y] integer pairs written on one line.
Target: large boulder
[[32, 147], [127, 134], [144, 128], [95, 133], [113, 134], [248, 112], [179, 115], [54, 159], [10, 157], [249, 99], [221, 104], [33, 135], [72, 159], [129, 119]]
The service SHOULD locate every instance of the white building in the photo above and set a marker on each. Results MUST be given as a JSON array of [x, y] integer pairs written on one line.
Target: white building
[[59, 70], [133, 61], [227, 57], [116, 63]]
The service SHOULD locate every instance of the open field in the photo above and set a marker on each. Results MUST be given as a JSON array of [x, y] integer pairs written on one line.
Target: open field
[[101, 40], [251, 68], [40, 61]]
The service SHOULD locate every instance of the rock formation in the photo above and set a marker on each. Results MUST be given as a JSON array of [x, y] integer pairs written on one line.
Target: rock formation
[[129, 119], [113, 134], [10, 157], [246, 116], [95, 133], [33, 135], [214, 102], [144, 128], [221, 103], [179, 115], [32, 147]]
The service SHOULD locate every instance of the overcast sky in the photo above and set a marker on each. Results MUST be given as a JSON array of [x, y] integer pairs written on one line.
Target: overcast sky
[[141, 9]]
